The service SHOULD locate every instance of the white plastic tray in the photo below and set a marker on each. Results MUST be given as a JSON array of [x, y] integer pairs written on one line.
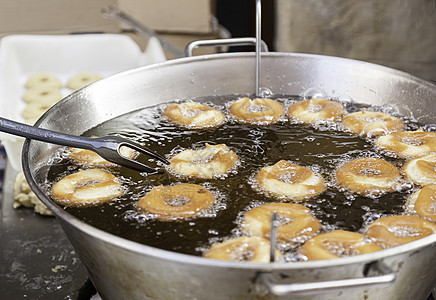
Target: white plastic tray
[[64, 56]]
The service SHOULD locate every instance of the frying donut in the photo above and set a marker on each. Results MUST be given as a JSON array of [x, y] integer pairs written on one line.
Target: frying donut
[[182, 201], [194, 115], [295, 221], [206, 163], [424, 202], [336, 244], [315, 110], [246, 248], [372, 123], [421, 170], [260, 111], [82, 79], [407, 144], [396, 230], [86, 188], [285, 179], [88, 158], [43, 79], [44, 95], [368, 176]]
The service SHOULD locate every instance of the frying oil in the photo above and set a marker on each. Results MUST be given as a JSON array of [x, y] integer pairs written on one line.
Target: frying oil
[[321, 148]]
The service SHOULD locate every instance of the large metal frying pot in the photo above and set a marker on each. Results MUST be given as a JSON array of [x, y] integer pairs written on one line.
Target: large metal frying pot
[[121, 269]]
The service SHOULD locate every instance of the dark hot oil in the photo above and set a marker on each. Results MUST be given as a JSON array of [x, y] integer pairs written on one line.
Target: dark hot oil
[[321, 148]]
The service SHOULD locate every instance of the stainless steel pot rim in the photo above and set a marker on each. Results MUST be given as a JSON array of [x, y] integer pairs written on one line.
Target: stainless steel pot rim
[[190, 259]]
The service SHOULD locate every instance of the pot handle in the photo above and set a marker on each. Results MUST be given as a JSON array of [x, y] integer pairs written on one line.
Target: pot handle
[[384, 276], [222, 42]]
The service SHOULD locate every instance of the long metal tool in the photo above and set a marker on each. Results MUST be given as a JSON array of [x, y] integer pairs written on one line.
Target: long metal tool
[[107, 147], [258, 44], [113, 12]]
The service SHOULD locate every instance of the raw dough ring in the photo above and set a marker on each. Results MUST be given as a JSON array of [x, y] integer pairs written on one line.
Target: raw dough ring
[[45, 95], [86, 188], [421, 170], [396, 230], [315, 110], [82, 79], [34, 110], [295, 221], [407, 144], [247, 248], [285, 179], [206, 163], [194, 115], [259, 111], [372, 123], [180, 201], [368, 176], [43, 79], [424, 202], [88, 158], [336, 244]]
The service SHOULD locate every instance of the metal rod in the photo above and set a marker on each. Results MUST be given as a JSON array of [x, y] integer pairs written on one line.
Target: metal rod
[[258, 44], [273, 237], [113, 12]]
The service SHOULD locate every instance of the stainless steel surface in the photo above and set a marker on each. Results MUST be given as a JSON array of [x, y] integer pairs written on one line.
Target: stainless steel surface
[[107, 147], [121, 269], [223, 42]]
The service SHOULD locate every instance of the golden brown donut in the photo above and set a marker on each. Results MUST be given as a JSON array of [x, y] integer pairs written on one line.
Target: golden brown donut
[[372, 123], [45, 95], [295, 221], [246, 248], [43, 79], [396, 230], [260, 111], [288, 180], [194, 115], [368, 176], [82, 79], [182, 201], [315, 110], [408, 144], [421, 170], [336, 244], [424, 202], [86, 188], [206, 163], [88, 158]]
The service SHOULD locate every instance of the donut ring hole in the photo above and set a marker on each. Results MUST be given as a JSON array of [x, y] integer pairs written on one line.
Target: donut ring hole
[[412, 141], [339, 249], [257, 108], [244, 252], [370, 172], [176, 200], [404, 231], [314, 108]]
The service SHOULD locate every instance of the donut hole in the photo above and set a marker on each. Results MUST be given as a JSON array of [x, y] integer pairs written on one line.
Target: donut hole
[[405, 231], [176, 201], [283, 219], [412, 141], [188, 111], [244, 252], [339, 249], [314, 108], [369, 172], [289, 177], [257, 108]]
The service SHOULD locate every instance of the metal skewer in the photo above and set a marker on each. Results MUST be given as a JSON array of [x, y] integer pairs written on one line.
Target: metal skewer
[[258, 45], [273, 237]]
